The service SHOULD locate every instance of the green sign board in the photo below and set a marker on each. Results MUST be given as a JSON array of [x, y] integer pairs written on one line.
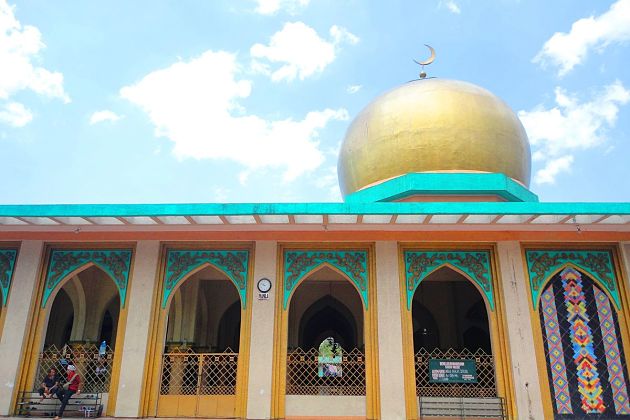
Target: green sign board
[[452, 371]]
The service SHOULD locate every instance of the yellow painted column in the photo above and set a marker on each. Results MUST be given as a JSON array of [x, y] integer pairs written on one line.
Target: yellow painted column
[[262, 330], [625, 259], [390, 339], [139, 301], [17, 319], [524, 367]]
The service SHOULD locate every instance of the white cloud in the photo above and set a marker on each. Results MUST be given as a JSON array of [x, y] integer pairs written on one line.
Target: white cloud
[[196, 105], [352, 89], [328, 180], [19, 49], [340, 34], [570, 126], [566, 50], [19, 46], [271, 7], [300, 51], [15, 114], [452, 6], [552, 168], [104, 115]]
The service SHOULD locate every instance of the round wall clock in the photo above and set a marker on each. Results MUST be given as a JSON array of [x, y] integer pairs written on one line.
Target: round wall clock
[[264, 285]]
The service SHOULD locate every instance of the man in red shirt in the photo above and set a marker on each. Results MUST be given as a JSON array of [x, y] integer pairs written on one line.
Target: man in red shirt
[[69, 388]]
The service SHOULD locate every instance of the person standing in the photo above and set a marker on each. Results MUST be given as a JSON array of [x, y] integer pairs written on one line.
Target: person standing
[[69, 388]]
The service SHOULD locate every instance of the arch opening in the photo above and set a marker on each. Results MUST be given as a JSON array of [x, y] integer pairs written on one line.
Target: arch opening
[[81, 328], [201, 345], [325, 312], [450, 323]]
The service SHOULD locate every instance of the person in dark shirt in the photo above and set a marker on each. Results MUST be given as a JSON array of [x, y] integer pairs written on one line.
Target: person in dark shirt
[[50, 386]]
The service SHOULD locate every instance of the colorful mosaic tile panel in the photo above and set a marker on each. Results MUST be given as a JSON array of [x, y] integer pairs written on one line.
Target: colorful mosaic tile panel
[[611, 349], [555, 353], [582, 340], [583, 344]]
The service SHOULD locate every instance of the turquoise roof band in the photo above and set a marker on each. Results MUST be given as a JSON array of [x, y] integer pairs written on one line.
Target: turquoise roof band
[[235, 209], [444, 184]]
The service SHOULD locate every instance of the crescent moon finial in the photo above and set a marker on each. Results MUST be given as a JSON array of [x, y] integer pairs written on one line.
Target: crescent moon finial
[[426, 62]]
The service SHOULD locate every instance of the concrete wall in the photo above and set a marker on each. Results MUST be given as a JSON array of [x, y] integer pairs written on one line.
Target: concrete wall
[[140, 298], [390, 351], [324, 405], [262, 333], [17, 319], [520, 333]]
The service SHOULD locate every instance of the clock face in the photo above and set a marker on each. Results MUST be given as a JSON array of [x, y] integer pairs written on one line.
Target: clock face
[[264, 285]]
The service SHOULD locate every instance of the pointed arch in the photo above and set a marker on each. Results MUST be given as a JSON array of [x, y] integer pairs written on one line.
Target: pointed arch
[[543, 265], [66, 263], [352, 265], [473, 265], [336, 305], [181, 264]]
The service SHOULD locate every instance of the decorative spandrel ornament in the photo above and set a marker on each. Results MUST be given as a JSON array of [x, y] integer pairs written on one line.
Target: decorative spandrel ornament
[[330, 359], [116, 263], [299, 264], [180, 263], [542, 264], [7, 264], [475, 264]]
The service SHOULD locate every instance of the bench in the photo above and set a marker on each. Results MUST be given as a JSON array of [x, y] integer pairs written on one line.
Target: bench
[[79, 405], [481, 408]]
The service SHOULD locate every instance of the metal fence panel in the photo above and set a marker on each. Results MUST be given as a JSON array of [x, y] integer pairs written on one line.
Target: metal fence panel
[[303, 378], [486, 381], [185, 372], [95, 369]]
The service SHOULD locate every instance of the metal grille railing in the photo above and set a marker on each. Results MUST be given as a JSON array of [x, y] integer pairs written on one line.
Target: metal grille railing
[[303, 378], [484, 387], [95, 369], [185, 372]]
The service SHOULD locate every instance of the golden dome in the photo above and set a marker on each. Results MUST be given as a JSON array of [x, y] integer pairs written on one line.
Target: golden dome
[[433, 125]]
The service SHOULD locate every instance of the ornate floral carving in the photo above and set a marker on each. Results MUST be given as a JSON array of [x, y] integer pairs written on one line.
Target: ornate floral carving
[[181, 262], [116, 263], [351, 263], [7, 263], [542, 263], [419, 264]]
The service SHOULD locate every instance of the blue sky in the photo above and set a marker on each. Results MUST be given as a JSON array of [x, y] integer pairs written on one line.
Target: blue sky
[[248, 101]]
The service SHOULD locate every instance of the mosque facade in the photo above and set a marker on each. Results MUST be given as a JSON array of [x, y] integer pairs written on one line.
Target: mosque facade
[[441, 287]]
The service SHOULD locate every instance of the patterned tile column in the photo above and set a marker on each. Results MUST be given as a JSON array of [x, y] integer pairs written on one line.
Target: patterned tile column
[[520, 333]]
